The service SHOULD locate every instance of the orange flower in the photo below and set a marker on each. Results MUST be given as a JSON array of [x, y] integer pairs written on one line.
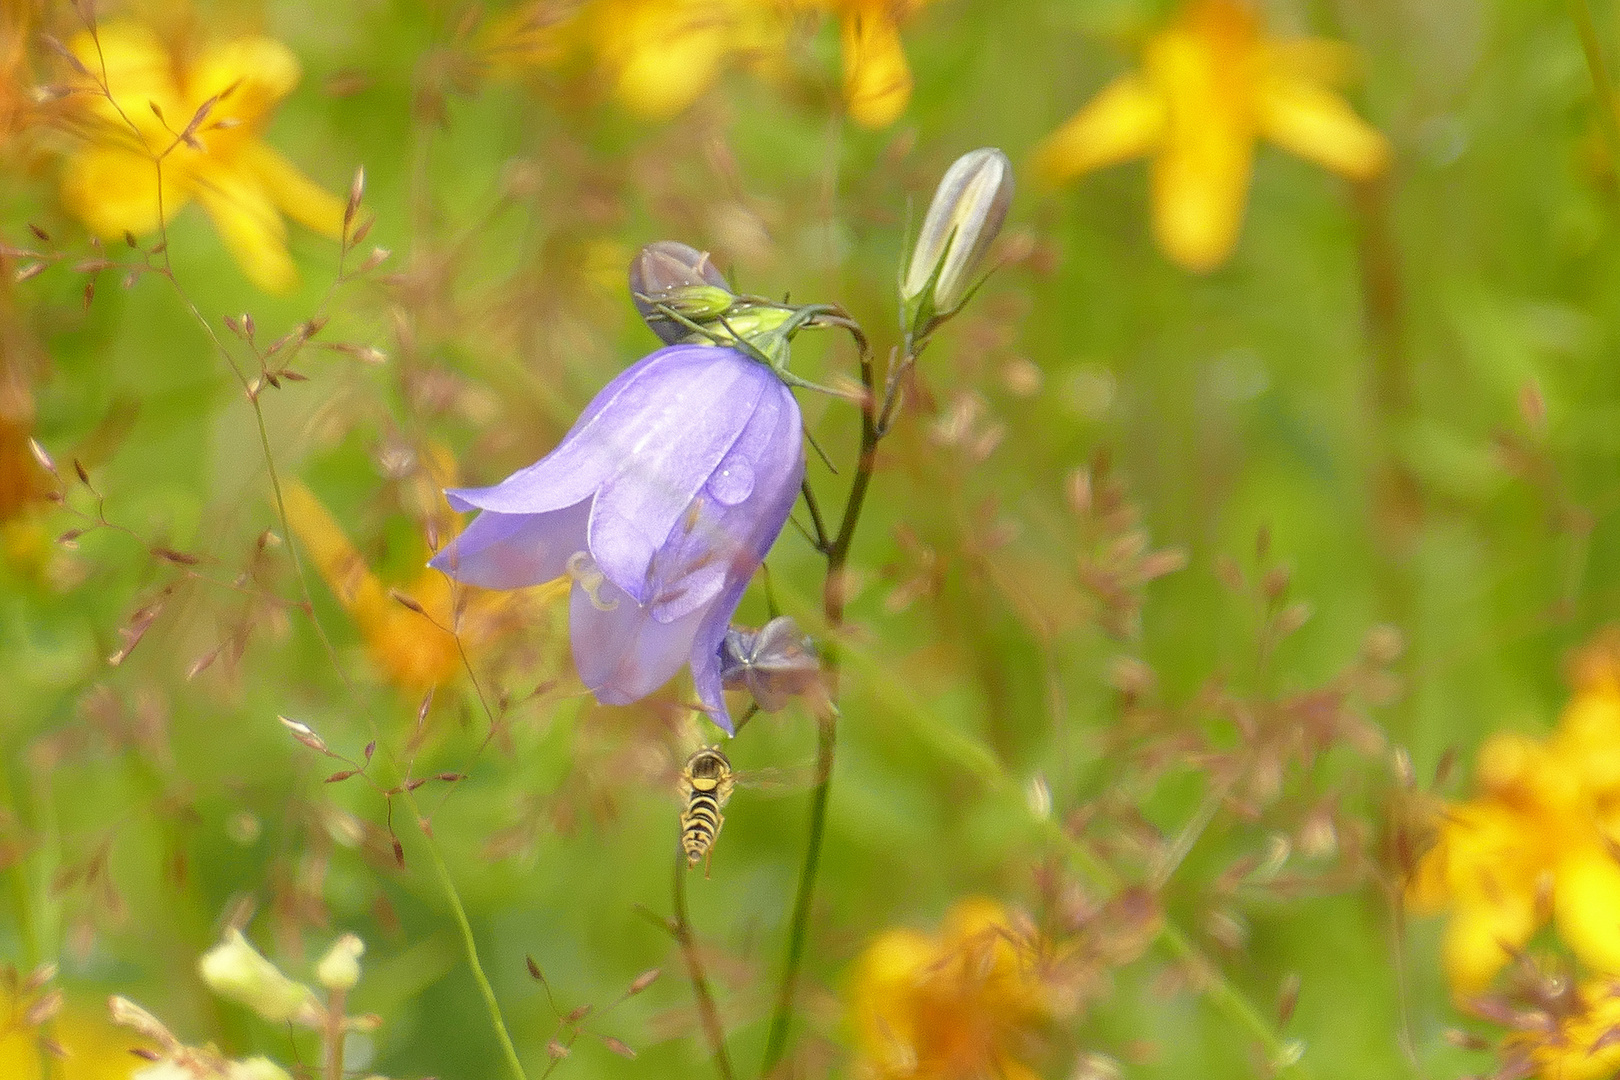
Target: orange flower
[[16, 104], [1212, 83], [413, 650], [968, 1002], [153, 99]]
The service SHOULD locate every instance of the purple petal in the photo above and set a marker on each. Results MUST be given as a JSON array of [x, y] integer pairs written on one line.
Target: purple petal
[[593, 448], [513, 551], [623, 653], [738, 514], [690, 418], [779, 471]]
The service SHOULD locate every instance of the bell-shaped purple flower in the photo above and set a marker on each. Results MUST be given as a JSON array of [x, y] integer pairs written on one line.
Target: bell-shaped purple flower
[[660, 503]]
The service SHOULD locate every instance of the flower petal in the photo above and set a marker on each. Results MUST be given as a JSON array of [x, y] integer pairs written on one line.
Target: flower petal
[[1200, 185], [693, 407], [667, 52], [1125, 121], [594, 446], [1586, 904], [1320, 126], [739, 512], [134, 64], [775, 442], [295, 194], [621, 652], [248, 223], [114, 191], [1479, 936], [249, 74], [513, 551], [877, 79]]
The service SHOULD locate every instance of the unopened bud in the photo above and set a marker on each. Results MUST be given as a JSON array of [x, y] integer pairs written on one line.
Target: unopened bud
[[679, 277], [969, 206], [339, 969], [236, 970]]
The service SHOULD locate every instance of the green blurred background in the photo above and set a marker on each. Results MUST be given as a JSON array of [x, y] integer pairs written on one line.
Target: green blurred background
[[1363, 383]]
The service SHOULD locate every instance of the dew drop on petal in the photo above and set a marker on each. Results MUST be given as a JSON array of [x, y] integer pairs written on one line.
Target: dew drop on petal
[[732, 482]]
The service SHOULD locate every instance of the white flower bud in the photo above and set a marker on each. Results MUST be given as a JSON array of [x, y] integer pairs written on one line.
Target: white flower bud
[[339, 969], [234, 969], [969, 207]]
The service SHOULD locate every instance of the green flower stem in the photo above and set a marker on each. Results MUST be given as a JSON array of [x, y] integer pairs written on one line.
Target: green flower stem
[[833, 594], [1581, 13], [681, 926], [451, 894]]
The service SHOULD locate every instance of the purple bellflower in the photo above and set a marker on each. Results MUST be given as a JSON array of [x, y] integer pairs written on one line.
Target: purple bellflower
[[660, 503]]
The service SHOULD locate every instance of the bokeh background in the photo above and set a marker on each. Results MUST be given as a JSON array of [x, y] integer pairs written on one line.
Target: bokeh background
[[1395, 403]]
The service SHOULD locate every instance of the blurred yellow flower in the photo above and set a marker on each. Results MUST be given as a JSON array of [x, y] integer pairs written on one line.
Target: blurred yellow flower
[[661, 54], [965, 1003], [1580, 1045], [412, 650], [95, 1050], [1538, 841], [1212, 83], [151, 110], [877, 78]]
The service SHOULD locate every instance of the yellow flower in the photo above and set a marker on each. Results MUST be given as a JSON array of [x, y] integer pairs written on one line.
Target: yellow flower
[[968, 1002], [245, 187], [1212, 83], [1537, 842], [1579, 1043], [661, 54], [877, 78], [95, 1049], [405, 646]]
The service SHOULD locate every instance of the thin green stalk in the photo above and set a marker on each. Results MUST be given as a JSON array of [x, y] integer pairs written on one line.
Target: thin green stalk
[[470, 945], [713, 1029], [834, 592], [1581, 13]]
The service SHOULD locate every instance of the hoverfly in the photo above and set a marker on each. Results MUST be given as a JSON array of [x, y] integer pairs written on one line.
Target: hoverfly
[[706, 785], [707, 781]]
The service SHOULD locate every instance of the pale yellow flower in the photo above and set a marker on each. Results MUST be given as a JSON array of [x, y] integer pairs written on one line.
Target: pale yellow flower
[[155, 95], [95, 1050], [1537, 842], [965, 1003], [1213, 83]]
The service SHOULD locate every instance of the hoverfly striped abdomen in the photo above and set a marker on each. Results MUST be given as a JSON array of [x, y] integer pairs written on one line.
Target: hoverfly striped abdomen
[[706, 784]]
